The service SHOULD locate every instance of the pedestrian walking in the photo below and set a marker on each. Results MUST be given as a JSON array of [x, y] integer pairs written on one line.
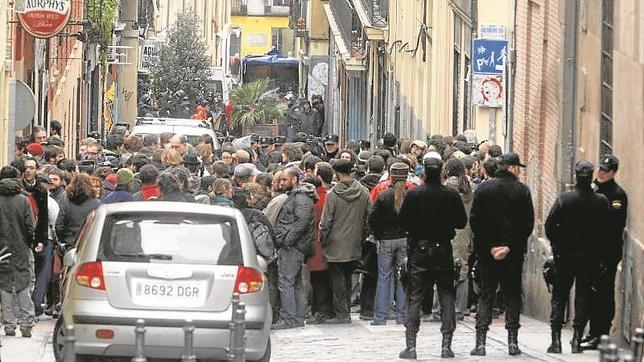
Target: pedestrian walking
[[602, 310], [576, 230], [430, 214], [294, 233], [16, 240], [386, 225], [342, 228], [502, 219]]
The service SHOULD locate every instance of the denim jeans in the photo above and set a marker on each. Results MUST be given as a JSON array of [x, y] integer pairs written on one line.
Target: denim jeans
[[289, 265], [17, 308], [391, 254]]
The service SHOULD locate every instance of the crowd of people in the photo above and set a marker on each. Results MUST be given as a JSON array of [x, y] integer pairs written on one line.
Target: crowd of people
[[406, 231]]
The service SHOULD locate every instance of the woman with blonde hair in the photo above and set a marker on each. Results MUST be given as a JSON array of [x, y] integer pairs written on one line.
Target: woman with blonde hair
[[171, 158], [221, 193], [81, 201]]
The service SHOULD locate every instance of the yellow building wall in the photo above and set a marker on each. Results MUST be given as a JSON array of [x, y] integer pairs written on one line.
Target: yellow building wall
[[4, 90], [498, 12], [257, 31]]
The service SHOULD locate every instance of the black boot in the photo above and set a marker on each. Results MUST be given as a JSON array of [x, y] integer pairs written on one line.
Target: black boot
[[513, 342], [410, 351], [555, 346], [479, 350], [446, 346], [576, 341]]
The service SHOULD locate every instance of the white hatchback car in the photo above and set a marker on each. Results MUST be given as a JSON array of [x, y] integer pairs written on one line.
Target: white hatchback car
[[164, 262]]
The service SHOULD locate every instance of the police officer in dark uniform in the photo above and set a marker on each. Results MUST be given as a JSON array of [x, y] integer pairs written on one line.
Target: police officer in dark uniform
[[430, 214], [502, 219], [576, 230], [265, 149], [603, 307], [276, 155], [331, 147]]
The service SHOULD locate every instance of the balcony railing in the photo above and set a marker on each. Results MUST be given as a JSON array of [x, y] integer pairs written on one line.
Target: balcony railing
[[350, 26], [377, 11], [260, 7]]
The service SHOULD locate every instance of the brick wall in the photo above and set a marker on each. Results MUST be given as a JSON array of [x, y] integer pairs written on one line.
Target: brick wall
[[536, 132]]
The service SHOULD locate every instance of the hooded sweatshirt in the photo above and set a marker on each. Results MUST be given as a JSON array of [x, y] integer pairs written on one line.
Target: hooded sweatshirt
[[343, 221]]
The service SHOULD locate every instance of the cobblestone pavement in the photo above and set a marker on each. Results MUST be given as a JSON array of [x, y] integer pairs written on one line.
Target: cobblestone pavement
[[356, 342], [363, 342]]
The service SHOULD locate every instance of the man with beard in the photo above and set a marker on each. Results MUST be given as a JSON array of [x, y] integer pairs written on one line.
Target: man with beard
[[294, 237]]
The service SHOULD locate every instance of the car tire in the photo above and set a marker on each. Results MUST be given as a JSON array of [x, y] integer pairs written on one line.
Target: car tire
[[267, 354], [58, 339]]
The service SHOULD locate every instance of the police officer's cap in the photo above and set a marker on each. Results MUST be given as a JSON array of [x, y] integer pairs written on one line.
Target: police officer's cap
[[609, 163], [331, 139], [279, 140], [266, 141], [584, 169]]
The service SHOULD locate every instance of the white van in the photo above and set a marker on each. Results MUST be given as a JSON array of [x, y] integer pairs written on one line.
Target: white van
[[220, 82], [192, 129]]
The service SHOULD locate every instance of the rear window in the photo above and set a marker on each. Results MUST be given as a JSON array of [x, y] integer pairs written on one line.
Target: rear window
[[171, 238]]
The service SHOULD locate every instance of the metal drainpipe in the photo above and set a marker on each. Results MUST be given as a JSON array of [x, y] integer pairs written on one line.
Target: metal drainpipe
[[569, 100], [510, 79]]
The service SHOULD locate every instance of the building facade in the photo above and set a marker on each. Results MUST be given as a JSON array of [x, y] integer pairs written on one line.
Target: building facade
[[5, 74], [260, 25]]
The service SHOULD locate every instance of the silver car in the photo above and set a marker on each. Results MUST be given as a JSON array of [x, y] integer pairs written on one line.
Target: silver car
[[164, 262]]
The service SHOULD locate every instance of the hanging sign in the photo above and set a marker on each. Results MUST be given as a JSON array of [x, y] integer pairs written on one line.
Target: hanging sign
[[45, 18]]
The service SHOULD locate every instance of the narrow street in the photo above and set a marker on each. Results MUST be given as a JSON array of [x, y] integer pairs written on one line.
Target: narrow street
[[358, 341]]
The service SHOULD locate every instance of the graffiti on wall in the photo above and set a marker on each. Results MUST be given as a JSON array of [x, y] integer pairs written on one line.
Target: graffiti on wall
[[318, 78]]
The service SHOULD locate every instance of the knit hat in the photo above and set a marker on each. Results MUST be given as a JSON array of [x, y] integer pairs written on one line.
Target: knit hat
[[124, 176], [398, 171], [35, 149], [111, 178]]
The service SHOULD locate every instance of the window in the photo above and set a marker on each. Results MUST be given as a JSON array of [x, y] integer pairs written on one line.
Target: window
[[606, 122], [170, 238]]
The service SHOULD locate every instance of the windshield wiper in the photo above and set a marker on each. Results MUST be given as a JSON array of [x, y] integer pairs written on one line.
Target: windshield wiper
[[144, 255]]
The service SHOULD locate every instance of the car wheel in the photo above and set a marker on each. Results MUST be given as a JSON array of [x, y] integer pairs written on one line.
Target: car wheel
[[267, 354], [58, 339]]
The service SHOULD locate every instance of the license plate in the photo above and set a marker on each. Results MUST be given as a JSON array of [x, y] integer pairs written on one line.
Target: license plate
[[160, 292]]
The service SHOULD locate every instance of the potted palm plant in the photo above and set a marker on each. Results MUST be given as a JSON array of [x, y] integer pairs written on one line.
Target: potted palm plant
[[255, 109]]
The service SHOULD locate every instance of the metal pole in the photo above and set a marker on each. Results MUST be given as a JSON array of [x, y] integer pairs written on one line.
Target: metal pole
[[139, 331], [231, 326], [70, 344], [188, 333], [637, 344], [604, 341], [240, 331], [611, 355]]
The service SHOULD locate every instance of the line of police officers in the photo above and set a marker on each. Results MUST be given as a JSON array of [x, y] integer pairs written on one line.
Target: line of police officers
[[584, 226]]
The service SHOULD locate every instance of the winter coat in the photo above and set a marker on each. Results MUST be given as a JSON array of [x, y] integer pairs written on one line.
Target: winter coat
[[121, 194], [463, 238], [295, 225], [72, 216], [343, 221], [39, 195], [16, 234], [147, 192], [576, 226], [262, 232], [612, 252], [59, 195], [502, 215], [383, 220], [261, 204], [316, 262]]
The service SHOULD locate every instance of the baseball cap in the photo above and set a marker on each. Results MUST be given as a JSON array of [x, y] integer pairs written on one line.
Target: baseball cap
[[331, 139], [510, 159], [609, 163], [245, 170], [584, 169]]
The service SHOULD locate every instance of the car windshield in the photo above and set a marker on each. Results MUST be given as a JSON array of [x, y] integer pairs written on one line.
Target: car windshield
[[171, 238]]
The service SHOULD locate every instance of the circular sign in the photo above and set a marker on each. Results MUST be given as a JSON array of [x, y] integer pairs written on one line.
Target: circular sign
[[45, 18]]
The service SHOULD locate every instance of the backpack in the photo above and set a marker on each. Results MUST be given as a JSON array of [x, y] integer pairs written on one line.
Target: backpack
[[264, 241]]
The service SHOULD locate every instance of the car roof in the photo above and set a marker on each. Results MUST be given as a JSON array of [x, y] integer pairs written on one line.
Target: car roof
[[169, 207], [182, 130]]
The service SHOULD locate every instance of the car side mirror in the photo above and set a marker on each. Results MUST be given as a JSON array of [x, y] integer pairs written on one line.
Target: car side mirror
[[70, 257], [262, 264]]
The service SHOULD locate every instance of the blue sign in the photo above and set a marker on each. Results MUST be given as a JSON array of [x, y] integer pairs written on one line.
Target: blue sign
[[488, 56]]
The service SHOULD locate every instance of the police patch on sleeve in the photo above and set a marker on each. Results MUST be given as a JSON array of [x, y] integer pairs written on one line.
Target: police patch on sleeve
[[617, 204]]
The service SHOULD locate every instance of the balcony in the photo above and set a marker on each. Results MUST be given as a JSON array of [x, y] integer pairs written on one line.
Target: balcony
[[350, 27], [260, 7], [376, 11]]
